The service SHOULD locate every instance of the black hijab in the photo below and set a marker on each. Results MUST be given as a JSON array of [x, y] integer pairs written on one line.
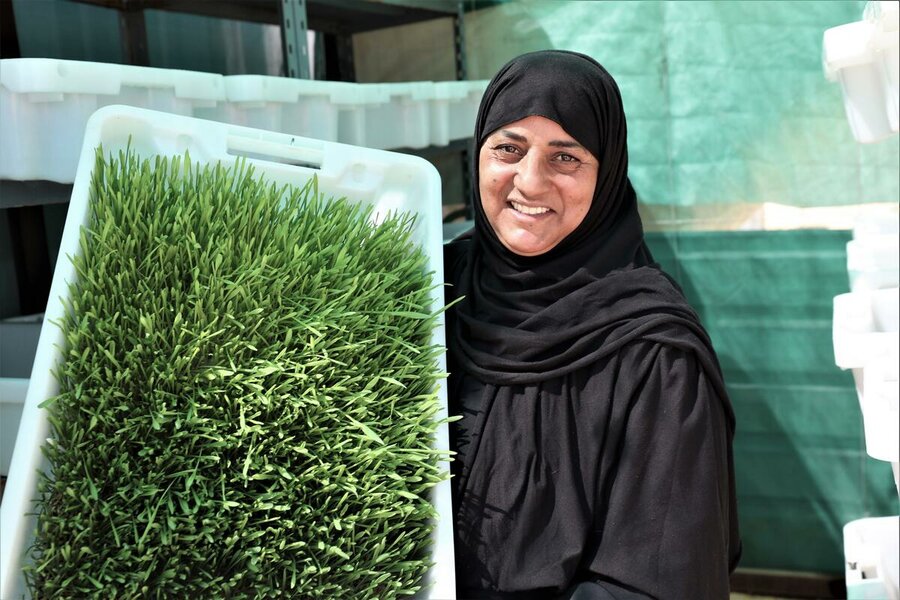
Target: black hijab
[[528, 319], [593, 406]]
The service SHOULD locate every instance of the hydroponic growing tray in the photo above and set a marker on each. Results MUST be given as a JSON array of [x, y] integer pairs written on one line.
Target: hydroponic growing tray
[[386, 181]]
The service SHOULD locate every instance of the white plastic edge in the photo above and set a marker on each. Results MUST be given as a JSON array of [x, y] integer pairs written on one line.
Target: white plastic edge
[[855, 332], [43, 75], [884, 14], [846, 46]]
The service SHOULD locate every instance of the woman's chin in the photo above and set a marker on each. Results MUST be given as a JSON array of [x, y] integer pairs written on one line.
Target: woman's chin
[[527, 245]]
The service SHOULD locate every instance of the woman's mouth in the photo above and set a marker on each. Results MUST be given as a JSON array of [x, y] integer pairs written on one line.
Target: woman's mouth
[[529, 210]]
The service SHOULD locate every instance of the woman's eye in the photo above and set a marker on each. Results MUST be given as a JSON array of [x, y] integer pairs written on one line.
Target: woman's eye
[[507, 148], [567, 158]]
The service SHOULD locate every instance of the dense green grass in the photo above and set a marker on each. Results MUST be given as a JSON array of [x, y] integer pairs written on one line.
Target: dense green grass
[[247, 395]]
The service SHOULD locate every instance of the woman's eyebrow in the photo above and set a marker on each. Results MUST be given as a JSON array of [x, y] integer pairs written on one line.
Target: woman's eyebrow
[[565, 144], [514, 136], [556, 143]]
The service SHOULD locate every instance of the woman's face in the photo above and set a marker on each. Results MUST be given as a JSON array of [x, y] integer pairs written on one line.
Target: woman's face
[[536, 184]]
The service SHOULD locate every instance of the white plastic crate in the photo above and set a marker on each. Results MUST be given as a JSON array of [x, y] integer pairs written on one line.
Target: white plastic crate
[[402, 119], [871, 558], [866, 339], [454, 107], [873, 263], [299, 106], [45, 105], [873, 255], [865, 326], [12, 398], [885, 16], [863, 58], [388, 181]]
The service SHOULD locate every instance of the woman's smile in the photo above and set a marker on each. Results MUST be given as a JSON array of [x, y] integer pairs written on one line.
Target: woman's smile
[[529, 210]]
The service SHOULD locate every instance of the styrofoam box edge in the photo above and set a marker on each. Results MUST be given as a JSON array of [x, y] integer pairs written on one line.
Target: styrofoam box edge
[[389, 181]]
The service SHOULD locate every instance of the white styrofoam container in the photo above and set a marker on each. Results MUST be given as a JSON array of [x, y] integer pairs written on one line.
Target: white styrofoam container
[[454, 107], [871, 558], [858, 57], [386, 180], [45, 105], [12, 398]]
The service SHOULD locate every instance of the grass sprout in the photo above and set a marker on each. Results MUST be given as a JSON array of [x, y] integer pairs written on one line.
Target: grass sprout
[[248, 395]]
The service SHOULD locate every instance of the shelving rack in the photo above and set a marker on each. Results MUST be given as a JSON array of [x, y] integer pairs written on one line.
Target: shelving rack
[[336, 20], [339, 19]]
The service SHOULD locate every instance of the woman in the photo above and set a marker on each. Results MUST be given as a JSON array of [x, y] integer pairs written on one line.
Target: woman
[[594, 449]]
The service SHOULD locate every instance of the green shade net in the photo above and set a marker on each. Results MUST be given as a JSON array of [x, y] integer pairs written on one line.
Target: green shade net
[[727, 102], [802, 470]]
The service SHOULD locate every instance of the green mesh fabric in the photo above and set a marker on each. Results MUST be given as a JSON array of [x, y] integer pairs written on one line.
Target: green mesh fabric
[[800, 461], [727, 101]]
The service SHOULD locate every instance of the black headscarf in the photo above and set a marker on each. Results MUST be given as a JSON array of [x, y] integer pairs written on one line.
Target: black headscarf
[[527, 319], [581, 373]]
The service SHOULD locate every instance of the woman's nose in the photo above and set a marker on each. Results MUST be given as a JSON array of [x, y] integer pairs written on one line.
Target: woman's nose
[[531, 176]]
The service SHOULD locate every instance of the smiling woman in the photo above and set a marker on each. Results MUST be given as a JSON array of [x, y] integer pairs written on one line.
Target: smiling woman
[[536, 184], [594, 440]]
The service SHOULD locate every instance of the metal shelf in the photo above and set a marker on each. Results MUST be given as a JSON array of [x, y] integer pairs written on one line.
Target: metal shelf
[[327, 16], [338, 18], [16, 194]]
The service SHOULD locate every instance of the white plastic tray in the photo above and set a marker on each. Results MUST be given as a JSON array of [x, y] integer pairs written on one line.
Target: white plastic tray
[[402, 120], [386, 180], [45, 104], [299, 106], [454, 107], [863, 57], [12, 398], [873, 262], [866, 340], [871, 558]]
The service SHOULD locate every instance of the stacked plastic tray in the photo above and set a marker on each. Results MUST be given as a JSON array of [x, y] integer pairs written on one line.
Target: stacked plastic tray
[[870, 548], [866, 341], [864, 57], [866, 332], [45, 103]]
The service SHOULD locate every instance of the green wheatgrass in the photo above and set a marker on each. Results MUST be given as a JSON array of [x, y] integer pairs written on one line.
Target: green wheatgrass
[[247, 401]]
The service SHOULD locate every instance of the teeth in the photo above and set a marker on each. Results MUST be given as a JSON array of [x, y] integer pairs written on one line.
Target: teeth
[[530, 210]]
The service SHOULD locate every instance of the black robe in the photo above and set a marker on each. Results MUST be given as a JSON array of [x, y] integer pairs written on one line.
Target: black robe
[[628, 482], [594, 453]]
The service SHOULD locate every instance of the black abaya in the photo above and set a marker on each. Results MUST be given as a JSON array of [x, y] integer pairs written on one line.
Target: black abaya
[[594, 453]]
